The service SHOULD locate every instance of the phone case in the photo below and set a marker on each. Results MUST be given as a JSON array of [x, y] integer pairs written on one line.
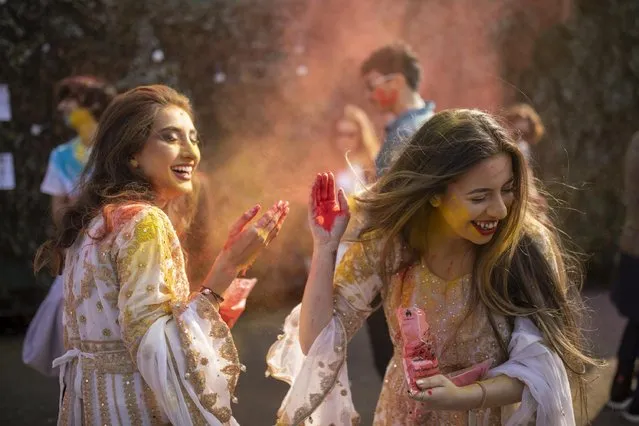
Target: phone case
[[418, 346]]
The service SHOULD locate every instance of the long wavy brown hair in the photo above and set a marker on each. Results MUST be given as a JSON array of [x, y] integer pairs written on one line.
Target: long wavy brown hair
[[524, 271], [108, 179]]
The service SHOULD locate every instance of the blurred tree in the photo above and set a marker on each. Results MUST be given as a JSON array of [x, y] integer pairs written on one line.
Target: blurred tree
[[584, 81], [210, 50]]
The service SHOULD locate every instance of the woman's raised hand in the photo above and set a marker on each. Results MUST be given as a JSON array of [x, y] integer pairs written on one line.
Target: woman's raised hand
[[328, 213], [246, 241]]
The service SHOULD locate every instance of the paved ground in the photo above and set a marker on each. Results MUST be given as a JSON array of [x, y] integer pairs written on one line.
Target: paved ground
[[30, 399]]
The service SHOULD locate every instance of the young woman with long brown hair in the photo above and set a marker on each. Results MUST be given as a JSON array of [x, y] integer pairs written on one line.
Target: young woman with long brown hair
[[450, 233], [141, 347]]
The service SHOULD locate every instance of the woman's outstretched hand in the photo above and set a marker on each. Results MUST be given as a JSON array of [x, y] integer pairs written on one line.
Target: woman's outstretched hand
[[246, 241], [328, 213]]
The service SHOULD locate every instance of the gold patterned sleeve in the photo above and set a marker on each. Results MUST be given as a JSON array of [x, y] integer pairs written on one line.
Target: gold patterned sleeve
[[182, 347], [356, 285], [320, 391]]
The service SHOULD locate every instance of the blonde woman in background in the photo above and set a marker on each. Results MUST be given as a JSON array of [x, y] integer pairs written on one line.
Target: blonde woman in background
[[355, 139]]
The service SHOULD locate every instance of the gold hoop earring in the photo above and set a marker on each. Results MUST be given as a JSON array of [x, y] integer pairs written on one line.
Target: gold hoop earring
[[435, 202], [135, 164]]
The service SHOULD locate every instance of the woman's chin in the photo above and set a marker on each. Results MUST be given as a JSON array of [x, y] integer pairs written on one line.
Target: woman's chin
[[479, 239], [176, 191]]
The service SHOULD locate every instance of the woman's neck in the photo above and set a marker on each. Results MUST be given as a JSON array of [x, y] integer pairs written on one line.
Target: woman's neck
[[161, 203]]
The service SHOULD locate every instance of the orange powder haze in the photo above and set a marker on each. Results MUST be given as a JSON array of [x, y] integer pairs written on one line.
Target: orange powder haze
[[458, 44]]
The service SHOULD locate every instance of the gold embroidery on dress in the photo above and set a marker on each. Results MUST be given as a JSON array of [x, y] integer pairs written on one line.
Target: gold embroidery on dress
[[130, 395], [115, 356], [112, 298], [326, 384], [218, 330], [151, 405], [134, 328], [229, 353], [209, 400], [196, 416], [460, 344], [205, 309], [65, 409], [87, 394], [105, 416], [222, 413], [87, 284]]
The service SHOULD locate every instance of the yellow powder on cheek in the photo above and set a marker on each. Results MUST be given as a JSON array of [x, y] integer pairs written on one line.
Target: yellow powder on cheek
[[455, 212]]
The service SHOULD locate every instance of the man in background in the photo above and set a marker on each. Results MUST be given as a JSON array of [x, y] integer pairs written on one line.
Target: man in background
[[392, 76]]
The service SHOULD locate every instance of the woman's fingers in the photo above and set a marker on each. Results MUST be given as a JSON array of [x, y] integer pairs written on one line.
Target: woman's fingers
[[313, 198], [246, 217], [324, 187], [330, 192], [435, 381], [271, 220], [343, 202], [277, 214], [268, 216], [278, 226]]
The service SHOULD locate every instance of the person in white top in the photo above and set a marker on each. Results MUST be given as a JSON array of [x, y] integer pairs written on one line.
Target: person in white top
[[80, 100]]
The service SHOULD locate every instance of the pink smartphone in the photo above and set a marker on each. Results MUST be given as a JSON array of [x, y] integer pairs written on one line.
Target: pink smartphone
[[471, 374], [419, 354], [419, 349], [418, 346]]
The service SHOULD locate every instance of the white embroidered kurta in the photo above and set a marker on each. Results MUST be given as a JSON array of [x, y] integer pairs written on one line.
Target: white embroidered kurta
[[320, 392], [139, 351]]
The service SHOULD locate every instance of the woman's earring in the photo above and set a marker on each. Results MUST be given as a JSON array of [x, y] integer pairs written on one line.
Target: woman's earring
[[134, 163], [435, 201]]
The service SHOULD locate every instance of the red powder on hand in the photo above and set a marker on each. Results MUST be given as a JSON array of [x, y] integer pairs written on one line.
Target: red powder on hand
[[326, 212]]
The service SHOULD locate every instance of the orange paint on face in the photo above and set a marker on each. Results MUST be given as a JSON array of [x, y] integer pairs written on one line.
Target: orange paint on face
[[386, 99]]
